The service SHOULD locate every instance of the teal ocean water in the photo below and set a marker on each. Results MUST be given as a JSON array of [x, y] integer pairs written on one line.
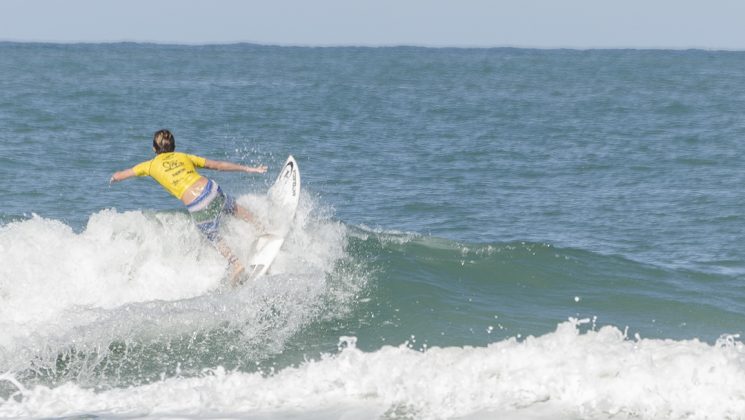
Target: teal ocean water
[[482, 233]]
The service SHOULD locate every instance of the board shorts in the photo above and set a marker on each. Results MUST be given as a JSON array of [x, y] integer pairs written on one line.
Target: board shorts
[[209, 207]]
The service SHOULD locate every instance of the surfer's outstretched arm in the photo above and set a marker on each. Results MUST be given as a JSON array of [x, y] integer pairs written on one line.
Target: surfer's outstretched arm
[[122, 175], [230, 166]]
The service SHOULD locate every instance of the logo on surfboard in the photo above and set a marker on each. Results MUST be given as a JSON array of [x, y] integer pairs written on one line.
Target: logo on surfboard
[[289, 171]]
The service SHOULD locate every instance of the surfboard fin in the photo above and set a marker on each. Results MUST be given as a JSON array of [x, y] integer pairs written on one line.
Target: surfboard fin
[[254, 272]]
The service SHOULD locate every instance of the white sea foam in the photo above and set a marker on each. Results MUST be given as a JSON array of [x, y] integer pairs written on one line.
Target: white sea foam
[[119, 258], [564, 374], [147, 277]]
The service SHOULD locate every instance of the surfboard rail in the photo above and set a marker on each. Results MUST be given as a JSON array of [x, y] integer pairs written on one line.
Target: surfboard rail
[[283, 195]]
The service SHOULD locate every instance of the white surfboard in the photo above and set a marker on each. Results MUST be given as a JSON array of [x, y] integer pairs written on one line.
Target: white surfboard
[[283, 199]]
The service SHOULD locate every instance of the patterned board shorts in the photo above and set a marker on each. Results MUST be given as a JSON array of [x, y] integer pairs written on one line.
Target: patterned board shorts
[[207, 209]]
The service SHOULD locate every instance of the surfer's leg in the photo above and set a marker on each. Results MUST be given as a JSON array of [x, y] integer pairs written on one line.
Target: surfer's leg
[[243, 214], [232, 208], [209, 227]]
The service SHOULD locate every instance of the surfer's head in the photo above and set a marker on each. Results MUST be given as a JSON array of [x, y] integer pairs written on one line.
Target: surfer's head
[[163, 142]]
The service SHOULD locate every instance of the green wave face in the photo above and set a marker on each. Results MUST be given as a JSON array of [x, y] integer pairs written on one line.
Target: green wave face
[[450, 293]]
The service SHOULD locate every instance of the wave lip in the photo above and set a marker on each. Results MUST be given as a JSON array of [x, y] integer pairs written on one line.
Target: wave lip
[[563, 374]]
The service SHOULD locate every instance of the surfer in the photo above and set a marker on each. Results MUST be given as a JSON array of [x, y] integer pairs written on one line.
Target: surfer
[[204, 199]]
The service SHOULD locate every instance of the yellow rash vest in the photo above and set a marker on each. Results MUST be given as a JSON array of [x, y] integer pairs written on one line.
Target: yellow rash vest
[[174, 171]]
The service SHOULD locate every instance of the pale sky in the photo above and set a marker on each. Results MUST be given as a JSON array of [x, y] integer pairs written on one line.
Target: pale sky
[[707, 24]]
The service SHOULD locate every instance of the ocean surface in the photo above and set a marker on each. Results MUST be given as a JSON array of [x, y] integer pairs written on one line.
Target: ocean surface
[[482, 233]]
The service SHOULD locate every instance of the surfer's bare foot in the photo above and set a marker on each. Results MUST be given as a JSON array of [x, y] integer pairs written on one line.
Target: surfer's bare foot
[[237, 272]]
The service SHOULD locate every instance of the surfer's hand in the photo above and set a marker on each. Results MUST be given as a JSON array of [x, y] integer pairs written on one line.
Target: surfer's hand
[[259, 169]]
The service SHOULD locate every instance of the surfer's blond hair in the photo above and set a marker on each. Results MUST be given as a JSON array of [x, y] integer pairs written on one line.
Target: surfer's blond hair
[[163, 141]]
